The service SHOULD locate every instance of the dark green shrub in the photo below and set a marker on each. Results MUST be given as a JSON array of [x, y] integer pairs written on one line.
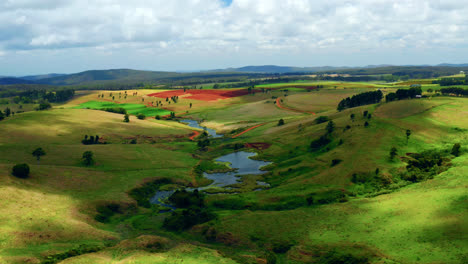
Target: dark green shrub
[[456, 149], [320, 142], [321, 119], [335, 162], [141, 116], [281, 247], [334, 257], [21, 170]]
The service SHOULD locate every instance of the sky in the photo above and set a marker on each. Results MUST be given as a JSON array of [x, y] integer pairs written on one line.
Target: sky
[[66, 36]]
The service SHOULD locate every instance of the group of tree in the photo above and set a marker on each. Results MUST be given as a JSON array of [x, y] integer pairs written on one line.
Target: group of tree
[[401, 94], [91, 140], [193, 210], [5, 114], [452, 81], [117, 110], [34, 95], [455, 91], [360, 99], [203, 143]]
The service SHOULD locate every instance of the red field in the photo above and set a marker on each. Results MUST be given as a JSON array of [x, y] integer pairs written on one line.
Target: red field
[[202, 95]]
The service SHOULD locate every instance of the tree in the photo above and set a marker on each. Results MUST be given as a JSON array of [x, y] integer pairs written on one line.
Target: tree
[[190, 105], [157, 117], [44, 105], [1, 115], [141, 116], [281, 122], [366, 124], [126, 119], [393, 153], [87, 158], [456, 149], [352, 117], [330, 127], [7, 112], [38, 153], [408, 133], [20, 170]]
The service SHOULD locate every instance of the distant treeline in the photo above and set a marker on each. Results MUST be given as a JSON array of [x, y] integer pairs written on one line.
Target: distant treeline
[[452, 81], [401, 94], [360, 99], [405, 72], [49, 96], [454, 90]]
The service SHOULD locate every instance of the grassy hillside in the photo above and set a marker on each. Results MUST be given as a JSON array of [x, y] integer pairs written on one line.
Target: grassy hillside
[[344, 200]]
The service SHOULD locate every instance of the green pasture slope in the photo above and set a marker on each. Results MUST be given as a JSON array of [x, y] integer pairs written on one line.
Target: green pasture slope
[[132, 109], [53, 211]]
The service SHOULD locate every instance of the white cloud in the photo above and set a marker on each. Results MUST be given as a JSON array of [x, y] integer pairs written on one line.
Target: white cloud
[[246, 26]]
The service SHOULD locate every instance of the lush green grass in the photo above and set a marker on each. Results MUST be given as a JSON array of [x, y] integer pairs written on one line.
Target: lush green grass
[[132, 109], [53, 211]]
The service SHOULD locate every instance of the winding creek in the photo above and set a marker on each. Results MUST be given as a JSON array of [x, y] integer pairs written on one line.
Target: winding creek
[[195, 124], [240, 161]]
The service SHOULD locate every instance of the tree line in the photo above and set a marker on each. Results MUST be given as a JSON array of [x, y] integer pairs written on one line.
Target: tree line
[[360, 99], [452, 81], [454, 90], [401, 94]]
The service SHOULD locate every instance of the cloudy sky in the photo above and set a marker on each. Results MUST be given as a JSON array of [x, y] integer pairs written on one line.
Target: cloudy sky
[[64, 36]]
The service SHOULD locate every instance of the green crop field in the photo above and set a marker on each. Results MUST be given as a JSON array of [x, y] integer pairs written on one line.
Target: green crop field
[[332, 193], [132, 109]]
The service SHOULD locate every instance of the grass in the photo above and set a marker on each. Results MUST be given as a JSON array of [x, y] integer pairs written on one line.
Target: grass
[[53, 211], [132, 109]]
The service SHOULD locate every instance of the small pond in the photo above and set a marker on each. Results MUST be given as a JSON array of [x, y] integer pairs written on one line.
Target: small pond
[[238, 160], [195, 124]]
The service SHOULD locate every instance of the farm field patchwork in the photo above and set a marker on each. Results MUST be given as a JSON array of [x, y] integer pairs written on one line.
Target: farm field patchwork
[[342, 198]]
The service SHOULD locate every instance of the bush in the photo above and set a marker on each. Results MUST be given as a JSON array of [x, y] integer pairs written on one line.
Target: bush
[[456, 149], [281, 246], [335, 162], [321, 119], [281, 122], [117, 110], [319, 143], [141, 116], [334, 257], [87, 158], [21, 170], [326, 197]]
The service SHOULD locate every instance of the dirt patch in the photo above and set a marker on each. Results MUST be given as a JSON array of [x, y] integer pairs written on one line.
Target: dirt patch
[[203, 95], [258, 145], [195, 134]]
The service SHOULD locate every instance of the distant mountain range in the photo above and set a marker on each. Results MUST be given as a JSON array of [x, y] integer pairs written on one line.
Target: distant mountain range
[[277, 69], [40, 77], [137, 76], [12, 80]]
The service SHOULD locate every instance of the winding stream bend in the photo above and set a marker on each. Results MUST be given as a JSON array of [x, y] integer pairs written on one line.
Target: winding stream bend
[[195, 124]]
